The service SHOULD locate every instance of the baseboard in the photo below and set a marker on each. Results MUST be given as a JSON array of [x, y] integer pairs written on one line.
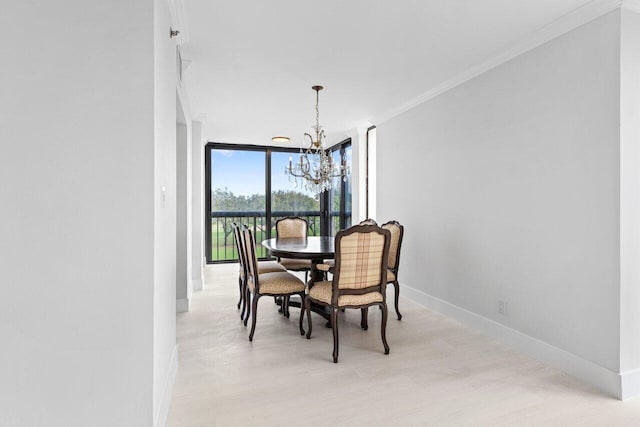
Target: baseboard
[[162, 413], [612, 383], [182, 305], [630, 384]]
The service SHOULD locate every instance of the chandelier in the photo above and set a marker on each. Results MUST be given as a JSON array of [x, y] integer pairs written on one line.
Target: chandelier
[[316, 169]]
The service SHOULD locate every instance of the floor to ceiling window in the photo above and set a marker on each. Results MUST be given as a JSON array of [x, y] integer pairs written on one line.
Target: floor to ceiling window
[[288, 199], [247, 185], [236, 194]]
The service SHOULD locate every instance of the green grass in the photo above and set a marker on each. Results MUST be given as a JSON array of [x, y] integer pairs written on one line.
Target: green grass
[[225, 249]]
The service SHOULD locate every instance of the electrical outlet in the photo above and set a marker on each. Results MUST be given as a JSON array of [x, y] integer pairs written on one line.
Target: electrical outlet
[[502, 308]]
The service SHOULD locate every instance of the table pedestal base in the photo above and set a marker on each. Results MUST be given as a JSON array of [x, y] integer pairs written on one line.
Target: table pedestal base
[[316, 308]]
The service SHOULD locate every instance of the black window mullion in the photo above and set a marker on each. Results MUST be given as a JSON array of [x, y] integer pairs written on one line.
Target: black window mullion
[[343, 195], [207, 207], [268, 191], [324, 214]]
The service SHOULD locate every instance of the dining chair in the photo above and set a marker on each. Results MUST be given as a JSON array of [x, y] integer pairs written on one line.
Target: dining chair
[[293, 227], [359, 278], [397, 232], [263, 267], [277, 283]]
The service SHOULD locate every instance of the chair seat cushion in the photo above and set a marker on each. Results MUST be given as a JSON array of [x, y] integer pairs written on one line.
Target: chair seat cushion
[[321, 291], [269, 267], [323, 267], [265, 267], [327, 265], [278, 283], [296, 264]]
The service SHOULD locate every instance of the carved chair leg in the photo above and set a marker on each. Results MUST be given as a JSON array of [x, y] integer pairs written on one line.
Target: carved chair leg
[[302, 309], [397, 286], [307, 306], [254, 312], [334, 328], [240, 289], [364, 320], [243, 291], [383, 329], [247, 302]]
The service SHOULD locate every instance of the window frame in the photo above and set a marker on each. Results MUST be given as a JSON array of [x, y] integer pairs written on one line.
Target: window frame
[[267, 150]]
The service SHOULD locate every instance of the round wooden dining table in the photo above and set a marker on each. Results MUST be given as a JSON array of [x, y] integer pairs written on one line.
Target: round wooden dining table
[[314, 248]]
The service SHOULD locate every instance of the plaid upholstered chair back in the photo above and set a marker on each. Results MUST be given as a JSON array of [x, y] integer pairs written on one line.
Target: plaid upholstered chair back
[[291, 227], [361, 260], [397, 232]]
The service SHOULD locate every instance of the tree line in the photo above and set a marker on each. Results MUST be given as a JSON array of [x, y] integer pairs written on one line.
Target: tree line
[[225, 200]]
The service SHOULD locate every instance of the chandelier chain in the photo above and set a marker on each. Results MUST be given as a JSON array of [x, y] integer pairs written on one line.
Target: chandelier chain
[[317, 110]]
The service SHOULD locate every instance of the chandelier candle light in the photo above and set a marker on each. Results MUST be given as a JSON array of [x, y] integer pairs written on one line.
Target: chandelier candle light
[[316, 168]]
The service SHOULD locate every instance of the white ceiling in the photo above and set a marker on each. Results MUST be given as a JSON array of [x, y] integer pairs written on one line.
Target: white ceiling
[[254, 62]]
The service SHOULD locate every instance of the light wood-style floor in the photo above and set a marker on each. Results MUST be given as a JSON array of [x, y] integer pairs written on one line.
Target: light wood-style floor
[[438, 373]]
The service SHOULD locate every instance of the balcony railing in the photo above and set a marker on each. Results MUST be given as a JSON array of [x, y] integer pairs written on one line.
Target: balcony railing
[[223, 246]]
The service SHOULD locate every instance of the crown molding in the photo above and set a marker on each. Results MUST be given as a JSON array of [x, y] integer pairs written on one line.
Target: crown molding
[[560, 26]]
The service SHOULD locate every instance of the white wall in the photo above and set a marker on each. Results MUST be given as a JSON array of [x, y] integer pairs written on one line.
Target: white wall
[[165, 354], [630, 196], [508, 186], [77, 214]]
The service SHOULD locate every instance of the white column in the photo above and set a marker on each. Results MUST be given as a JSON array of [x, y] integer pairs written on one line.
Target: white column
[[184, 287], [371, 184], [197, 207], [358, 175]]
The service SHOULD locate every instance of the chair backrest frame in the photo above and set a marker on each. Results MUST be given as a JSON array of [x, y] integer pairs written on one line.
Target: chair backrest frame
[[380, 284], [394, 258], [242, 259], [251, 259]]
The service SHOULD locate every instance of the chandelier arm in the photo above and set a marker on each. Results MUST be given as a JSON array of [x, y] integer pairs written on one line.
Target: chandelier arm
[[311, 143]]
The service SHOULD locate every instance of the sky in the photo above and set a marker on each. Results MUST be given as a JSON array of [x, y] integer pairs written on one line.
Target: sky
[[242, 171]]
